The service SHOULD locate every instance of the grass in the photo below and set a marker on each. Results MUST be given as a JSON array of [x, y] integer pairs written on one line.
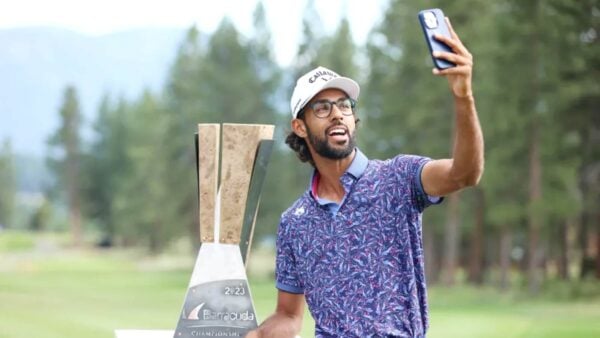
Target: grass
[[58, 293], [469, 312]]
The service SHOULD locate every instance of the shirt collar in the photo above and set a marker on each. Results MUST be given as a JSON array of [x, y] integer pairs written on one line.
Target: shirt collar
[[358, 165]]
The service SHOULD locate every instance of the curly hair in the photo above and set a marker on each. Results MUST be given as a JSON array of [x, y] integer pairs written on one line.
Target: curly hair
[[298, 144]]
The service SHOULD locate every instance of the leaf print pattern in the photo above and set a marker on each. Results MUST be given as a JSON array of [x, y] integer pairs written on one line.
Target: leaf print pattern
[[362, 269]]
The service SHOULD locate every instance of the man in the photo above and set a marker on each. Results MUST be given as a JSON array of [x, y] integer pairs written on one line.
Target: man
[[351, 246]]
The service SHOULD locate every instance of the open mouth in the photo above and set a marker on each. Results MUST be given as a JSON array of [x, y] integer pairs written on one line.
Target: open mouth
[[338, 133]]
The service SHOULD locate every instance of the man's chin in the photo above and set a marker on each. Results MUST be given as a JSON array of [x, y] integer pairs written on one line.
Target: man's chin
[[338, 152], [339, 145]]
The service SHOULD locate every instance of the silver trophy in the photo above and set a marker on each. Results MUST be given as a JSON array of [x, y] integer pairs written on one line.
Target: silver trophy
[[231, 169]]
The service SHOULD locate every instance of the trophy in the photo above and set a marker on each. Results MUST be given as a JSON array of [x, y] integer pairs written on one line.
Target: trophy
[[218, 302]]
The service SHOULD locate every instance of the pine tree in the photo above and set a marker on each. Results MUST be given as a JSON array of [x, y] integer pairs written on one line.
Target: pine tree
[[184, 108], [104, 164], [338, 52], [310, 42], [575, 55], [141, 204], [65, 158]]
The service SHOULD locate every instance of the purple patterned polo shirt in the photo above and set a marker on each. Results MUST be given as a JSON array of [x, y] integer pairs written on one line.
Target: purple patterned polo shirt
[[360, 265]]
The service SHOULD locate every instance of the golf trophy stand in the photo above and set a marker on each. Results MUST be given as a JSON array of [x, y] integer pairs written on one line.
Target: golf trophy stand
[[218, 302]]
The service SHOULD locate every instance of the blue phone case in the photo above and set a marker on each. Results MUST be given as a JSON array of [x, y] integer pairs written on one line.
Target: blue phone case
[[433, 22]]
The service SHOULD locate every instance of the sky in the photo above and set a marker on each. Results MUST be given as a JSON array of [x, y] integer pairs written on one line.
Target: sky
[[100, 17], [95, 17]]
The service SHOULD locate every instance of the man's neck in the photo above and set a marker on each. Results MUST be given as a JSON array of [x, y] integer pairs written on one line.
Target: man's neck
[[330, 172]]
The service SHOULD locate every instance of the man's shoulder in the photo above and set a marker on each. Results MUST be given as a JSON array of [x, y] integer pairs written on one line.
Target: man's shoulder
[[390, 165], [400, 162], [298, 208], [295, 216], [397, 172]]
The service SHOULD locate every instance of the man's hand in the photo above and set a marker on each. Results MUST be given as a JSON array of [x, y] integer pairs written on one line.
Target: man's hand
[[252, 334], [459, 77], [286, 322]]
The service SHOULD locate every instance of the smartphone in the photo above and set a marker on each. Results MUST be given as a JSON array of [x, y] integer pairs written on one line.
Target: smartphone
[[433, 22]]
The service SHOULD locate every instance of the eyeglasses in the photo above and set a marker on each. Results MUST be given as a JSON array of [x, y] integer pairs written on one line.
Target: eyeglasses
[[323, 108]]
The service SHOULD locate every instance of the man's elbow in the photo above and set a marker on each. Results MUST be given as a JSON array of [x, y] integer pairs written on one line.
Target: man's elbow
[[474, 177], [469, 178]]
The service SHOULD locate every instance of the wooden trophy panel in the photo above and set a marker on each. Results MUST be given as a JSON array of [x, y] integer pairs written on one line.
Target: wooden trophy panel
[[240, 144], [208, 176]]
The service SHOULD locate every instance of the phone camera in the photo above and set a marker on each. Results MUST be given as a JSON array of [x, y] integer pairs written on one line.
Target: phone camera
[[430, 20]]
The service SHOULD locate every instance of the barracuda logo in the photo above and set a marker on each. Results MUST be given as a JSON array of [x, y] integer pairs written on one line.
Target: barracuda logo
[[208, 314], [227, 316], [194, 313]]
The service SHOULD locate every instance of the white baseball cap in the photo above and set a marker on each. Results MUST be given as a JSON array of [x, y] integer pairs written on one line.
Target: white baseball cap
[[318, 79]]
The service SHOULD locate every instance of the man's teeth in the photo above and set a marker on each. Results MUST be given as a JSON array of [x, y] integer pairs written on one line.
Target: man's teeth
[[337, 131]]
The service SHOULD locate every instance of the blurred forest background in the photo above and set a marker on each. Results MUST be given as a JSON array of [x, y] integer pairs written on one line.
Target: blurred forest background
[[533, 220]]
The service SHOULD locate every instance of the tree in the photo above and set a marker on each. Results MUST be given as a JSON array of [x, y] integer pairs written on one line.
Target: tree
[[576, 52], [262, 58], [65, 158], [104, 163], [183, 108], [41, 216], [142, 210], [231, 90], [310, 42], [7, 184], [465, 227], [338, 52], [412, 113], [278, 182], [542, 50], [227, 78], [241, 78]]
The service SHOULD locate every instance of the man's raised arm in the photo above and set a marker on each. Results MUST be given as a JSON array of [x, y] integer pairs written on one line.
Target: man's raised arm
[[441, 177]]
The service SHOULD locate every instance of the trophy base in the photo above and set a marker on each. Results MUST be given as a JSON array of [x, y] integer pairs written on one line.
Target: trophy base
[[218, 302]]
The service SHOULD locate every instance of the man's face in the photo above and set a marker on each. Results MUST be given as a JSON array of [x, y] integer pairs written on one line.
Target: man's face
[[333, 136]]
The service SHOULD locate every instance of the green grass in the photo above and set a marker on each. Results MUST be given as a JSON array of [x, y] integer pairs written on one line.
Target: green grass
[[88, 293], [15, 241], [486, 313]]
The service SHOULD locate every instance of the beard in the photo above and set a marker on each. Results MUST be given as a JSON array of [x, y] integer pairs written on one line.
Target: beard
[[323, 148]]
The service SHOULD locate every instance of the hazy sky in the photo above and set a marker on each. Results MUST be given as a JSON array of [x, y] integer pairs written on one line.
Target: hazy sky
[[101, 17], [95, 17]]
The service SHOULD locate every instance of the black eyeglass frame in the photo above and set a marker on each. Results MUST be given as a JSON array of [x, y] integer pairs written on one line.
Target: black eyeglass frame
[[331, 104]]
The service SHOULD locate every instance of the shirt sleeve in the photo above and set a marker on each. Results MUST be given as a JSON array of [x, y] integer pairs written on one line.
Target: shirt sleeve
[[286, 273], [429, 198], [410, 167]]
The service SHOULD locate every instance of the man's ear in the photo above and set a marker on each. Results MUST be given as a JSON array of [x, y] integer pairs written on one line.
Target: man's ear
[[299, 128]]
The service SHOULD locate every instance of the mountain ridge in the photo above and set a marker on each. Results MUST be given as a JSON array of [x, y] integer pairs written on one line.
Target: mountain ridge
[[37, 63]]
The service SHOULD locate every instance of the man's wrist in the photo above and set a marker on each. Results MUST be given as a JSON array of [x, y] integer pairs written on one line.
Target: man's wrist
[[464, 104], [464, 98]]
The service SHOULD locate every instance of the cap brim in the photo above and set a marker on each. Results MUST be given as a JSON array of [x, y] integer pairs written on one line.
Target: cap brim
[[349, 86]]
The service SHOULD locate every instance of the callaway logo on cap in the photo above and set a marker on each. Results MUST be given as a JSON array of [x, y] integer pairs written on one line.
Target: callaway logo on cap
[[318, 79]]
